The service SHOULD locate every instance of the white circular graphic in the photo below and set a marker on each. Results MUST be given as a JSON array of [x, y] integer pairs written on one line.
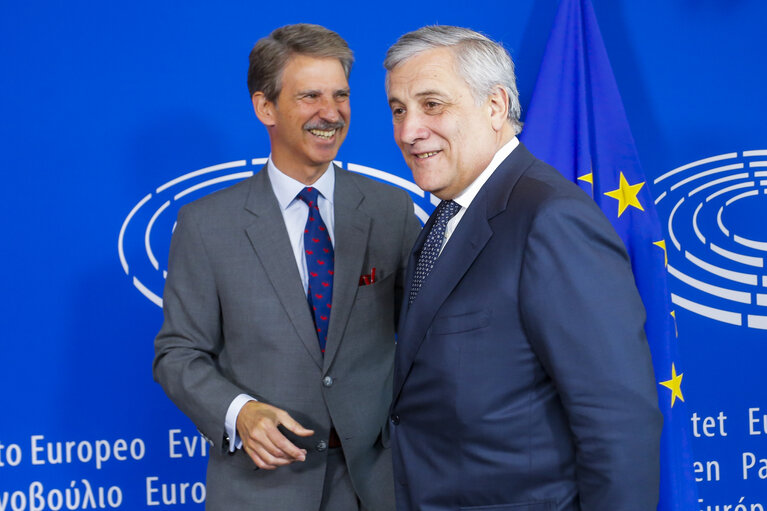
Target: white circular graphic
[[144, 238], [717, 236]]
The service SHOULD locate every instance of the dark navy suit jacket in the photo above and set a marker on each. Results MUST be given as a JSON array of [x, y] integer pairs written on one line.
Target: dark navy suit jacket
[[523, 379]]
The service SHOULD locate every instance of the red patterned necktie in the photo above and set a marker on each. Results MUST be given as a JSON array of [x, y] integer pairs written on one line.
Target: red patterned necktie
[[318, 250], [431, 247]]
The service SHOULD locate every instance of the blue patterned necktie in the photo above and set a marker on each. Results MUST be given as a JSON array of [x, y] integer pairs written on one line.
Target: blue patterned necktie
[[431, 248], [318, 250]]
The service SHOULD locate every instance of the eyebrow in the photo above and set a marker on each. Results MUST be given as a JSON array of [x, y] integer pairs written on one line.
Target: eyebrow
[[346, 90]]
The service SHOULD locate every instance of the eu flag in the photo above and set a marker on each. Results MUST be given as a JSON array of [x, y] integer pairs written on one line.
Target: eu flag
[[576, 123]]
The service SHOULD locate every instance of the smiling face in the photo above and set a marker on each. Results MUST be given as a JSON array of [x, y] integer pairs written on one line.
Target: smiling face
[[447, 139], [310, 118]]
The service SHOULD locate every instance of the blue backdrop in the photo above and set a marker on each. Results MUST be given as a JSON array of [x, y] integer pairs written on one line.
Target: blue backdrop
[[106, 106]]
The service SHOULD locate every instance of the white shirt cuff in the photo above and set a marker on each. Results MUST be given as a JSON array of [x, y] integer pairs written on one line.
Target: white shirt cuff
[[231, 420]]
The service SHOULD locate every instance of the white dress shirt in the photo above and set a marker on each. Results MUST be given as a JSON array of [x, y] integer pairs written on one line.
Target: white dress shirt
[[294, 213], [465, 198]]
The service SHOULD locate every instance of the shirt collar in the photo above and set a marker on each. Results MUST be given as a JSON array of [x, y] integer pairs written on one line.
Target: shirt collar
[[286, 188], [465, 198]]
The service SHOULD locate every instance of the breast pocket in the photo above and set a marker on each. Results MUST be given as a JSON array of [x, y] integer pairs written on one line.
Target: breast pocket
[[458, 323], [383, 287], [372, 316]]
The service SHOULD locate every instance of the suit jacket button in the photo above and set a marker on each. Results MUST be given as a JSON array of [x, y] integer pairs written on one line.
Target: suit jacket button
[[322, 445], [327, 381], [395, 419]]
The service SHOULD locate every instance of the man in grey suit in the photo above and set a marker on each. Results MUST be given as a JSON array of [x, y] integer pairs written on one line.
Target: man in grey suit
[[290, 383]]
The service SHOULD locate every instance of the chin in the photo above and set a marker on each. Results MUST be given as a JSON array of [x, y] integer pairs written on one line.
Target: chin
[[426, 186], [326, 155], [424, 179]]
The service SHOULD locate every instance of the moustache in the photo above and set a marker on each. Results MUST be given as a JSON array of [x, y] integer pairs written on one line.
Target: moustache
[[324, 125]]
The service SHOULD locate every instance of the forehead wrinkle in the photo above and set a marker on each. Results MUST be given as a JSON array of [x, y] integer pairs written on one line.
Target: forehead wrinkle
[[429, 92], [422, 94]]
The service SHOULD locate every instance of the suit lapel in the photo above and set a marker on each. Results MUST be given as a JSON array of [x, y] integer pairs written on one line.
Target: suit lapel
[[410, 270], [270, 240], [462, 249], [465, 245], [351, 230]]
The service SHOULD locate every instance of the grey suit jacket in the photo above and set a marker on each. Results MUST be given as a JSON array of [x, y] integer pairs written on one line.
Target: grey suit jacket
[[237, 321]]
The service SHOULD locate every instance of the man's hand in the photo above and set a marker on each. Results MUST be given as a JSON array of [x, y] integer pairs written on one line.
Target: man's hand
[[268, 448]]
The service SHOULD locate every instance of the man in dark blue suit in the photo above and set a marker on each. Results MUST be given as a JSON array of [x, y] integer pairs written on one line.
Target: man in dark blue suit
[[523, 379]]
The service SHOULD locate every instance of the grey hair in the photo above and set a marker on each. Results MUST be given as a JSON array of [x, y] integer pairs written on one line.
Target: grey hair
[[483, 63], [270, 55]]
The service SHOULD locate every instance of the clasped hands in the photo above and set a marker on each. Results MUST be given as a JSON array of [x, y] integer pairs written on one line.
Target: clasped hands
[[257, 426]]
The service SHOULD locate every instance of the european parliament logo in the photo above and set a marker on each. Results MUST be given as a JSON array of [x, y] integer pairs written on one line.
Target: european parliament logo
[[144, 238], [717, 236]]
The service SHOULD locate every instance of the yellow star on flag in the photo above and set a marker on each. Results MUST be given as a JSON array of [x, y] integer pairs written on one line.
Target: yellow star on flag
[[626, 195], [662, 244], [588, 178], [675, 385]]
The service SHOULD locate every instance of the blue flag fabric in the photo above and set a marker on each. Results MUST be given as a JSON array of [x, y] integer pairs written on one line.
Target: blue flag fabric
[[576, 122]]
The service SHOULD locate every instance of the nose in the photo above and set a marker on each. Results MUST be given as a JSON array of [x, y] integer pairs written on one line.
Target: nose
[[329, 110], [410, 129]]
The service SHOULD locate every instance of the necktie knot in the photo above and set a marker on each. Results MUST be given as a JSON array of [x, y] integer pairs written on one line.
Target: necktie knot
[[309, 195], [446, 210]]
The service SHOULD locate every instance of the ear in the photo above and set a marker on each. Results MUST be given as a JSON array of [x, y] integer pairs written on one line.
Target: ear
[[498, 105], [264, 109]]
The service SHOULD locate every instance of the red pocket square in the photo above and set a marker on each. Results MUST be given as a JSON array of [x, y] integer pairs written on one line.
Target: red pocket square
[[366, 280]]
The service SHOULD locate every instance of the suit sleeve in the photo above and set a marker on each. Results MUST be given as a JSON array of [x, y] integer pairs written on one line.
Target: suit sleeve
[[411, 228], [188, 344], [585, 320]]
